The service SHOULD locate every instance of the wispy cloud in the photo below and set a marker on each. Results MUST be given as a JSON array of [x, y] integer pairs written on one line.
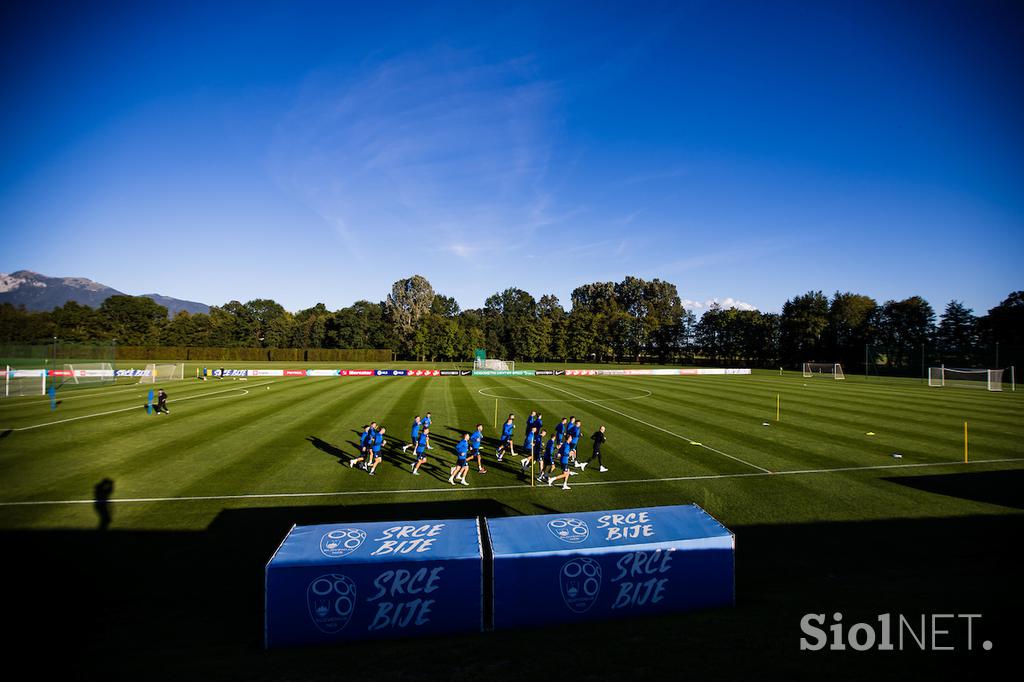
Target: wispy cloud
[[438, 147]]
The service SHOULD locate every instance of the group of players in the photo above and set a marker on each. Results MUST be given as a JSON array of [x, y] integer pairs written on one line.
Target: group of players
[[562, 446]]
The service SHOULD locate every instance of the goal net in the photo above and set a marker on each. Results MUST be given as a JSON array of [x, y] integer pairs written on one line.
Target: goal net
[[831, 370], [168, 372], [89, 373], [988, 379], [494, 364], [20, 382]]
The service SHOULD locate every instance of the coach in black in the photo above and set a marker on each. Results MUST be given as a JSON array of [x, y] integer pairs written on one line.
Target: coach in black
[[599, 438]]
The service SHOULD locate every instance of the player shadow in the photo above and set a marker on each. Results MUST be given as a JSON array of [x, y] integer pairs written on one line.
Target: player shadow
[[101, 502], [331, 450], [991, 487]]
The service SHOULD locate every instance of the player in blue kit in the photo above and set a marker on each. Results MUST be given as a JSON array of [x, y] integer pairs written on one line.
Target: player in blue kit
[[475, 442], [548, 464], [417, 424], [461, 466], [560, 430], [426, 425], [378, 443], [563, 460], [530, 421], [506, 438], [421, 451], [531, 436], [365, 441], [576, 431]]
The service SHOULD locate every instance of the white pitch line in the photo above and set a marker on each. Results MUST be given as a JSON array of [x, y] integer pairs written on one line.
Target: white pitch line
[[641, 421], [520, 486], [126, 409]]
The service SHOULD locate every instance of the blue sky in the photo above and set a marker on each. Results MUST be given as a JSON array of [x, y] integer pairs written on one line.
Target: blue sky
[[319, 151]]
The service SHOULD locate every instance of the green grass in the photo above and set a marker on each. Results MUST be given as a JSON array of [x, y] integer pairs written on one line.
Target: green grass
[[826, 518]]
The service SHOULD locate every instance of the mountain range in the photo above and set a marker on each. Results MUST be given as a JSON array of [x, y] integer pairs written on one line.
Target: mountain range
[[39, 292]]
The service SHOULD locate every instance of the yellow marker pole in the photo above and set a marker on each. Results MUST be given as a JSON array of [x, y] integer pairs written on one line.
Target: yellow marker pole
[[495, 414], [965, 442], [778, 405], [532, 479]]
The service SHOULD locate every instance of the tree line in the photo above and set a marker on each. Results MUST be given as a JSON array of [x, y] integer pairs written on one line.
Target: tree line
[[634, 320]]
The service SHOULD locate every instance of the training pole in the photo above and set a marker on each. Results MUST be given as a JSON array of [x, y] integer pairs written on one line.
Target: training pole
[[778, 405], [532, 479], [495, 414], [965, 442]]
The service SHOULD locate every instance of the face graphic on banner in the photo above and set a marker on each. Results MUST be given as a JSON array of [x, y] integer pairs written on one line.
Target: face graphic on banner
[[331, 600], [341, 542], [580, 580], [569, 530]]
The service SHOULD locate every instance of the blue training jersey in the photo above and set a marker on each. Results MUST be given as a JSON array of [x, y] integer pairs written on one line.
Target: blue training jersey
[[462, 448], [378, 439], [530, 422], [528, 441], [549, 449], [560, 431], [563, 451], [364, 439], [416, 430], [475, 438], [506, 431], [426, 422], [422, 443]]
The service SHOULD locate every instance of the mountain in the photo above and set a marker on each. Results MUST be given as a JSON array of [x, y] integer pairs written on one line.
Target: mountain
[[39, 292]]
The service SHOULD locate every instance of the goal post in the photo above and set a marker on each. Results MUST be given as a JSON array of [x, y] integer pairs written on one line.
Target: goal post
[[963, 377], [24, 382], [491, 363], [827, 369], [89, 373], [163, 372]]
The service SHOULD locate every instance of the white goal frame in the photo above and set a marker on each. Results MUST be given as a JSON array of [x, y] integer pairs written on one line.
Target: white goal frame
[[163, 372], [812, 369], [91, 372], [494, 364], [23, 382], [992, 379]]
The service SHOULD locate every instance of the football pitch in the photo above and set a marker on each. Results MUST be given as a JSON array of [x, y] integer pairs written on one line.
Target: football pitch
[[856, 499]]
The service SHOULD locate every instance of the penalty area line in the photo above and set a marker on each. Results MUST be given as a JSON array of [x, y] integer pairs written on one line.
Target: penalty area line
[[641, 421], [127, 409], [518, 486]]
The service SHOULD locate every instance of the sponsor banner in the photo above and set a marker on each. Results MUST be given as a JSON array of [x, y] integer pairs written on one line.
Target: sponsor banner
[[559, 372], [26, 373], [360, 373], [424, 373], [294, 372], [391, 372], [465, 372], [504, 372], [323, 372], [61, 373], [235, 372], [121, 372], [580, 372], [451, 372], [342, 582], [265, 372], [599, 565], [545, 372]]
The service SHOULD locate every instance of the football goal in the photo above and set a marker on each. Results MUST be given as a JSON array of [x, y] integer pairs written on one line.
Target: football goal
[[90, 373], [20, 382], [501, 365], [168, 372], [989, 379], [832, 370]]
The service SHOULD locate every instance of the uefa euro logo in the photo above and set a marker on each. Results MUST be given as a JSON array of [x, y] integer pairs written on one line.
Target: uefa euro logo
[[580, 580], [569, 530], [331, 600], [341, 542]]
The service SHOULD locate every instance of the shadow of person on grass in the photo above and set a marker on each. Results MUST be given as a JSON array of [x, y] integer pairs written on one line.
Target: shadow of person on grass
[[331, 450], [101, 501]]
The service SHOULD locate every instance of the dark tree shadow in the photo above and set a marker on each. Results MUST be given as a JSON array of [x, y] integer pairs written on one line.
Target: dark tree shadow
[[1005, 488]]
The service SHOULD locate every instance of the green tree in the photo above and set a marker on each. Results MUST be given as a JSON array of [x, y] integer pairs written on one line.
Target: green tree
[[957, 335], [804, 321], [409, 302], [133, 320]]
